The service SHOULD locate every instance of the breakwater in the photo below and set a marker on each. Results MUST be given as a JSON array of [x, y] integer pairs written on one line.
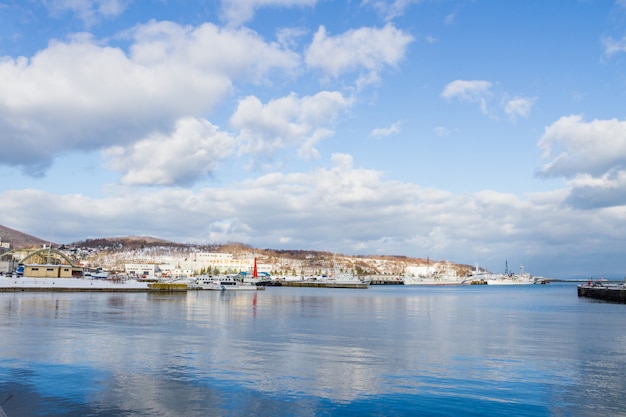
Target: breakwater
[[609, 292], [324, 284]]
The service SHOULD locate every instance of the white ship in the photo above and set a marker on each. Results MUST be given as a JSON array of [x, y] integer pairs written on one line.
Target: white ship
[[523, 278], [447, 276], [225, 283]]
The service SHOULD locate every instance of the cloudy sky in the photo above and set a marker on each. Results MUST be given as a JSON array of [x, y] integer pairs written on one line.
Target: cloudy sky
[[478, 131]]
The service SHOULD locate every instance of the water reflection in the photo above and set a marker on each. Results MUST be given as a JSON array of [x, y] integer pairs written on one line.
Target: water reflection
[[312, 352]]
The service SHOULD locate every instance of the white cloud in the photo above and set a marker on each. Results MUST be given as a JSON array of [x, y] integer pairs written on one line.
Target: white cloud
[[368, 49], [466, 90], [360, 211], [491, 100], [88, 10], [593, 155], [588, 192], [393, 9], [289, 37], [192, 151], [386, 131], [612, 47], [579, 147], [450, 19], [209, 49], [287, 121], [80, 95], [474, 91], [519, 106], [237, 12]]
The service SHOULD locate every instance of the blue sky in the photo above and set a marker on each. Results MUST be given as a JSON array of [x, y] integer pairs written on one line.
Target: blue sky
[[480, 132]]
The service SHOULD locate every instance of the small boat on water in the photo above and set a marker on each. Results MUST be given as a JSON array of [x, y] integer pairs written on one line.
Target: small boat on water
[[225, 283]]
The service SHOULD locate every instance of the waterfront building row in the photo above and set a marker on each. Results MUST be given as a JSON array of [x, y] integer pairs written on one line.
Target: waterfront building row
[[196, 264]]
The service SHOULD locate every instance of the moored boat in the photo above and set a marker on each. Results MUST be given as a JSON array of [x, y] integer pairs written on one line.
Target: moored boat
[[337, 280], [225, 283], [256, 278], [345, 279], [523, 278], [421, 280], [447, 276]]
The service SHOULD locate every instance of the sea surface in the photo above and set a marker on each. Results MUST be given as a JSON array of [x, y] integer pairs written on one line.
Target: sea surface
[[385, 351]]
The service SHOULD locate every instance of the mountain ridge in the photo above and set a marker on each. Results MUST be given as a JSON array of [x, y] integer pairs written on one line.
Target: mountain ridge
[[20, 240]]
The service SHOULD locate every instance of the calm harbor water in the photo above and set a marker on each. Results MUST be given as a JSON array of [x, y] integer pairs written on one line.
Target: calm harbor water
[[385, 351]]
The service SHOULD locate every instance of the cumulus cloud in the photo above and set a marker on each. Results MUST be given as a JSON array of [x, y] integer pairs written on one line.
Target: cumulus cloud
[[81, 95], [192, 151], [579, 147], [589, 192], [362, 211], [365, 49], [592, 155], [287, 121], [208, 49], [473, 91], [490, 100], [386, 131], [518, 107], [237, 12]]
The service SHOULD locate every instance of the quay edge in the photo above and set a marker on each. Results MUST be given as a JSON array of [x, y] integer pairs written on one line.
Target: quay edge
[[614, 293], [29, 284], [167, 287], [319, 284]]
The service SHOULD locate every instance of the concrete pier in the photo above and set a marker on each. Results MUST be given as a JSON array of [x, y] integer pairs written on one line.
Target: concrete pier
[[608, 292], [24, 284], [322, 284], [167, 287]]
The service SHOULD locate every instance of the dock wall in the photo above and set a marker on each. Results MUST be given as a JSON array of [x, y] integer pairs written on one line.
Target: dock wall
[[167, 287], [320, 284], [615, 293]]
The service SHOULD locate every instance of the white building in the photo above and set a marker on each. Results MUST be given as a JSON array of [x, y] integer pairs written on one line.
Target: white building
[[225, 263], [143, 270], [7, 266], [195, 264]]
